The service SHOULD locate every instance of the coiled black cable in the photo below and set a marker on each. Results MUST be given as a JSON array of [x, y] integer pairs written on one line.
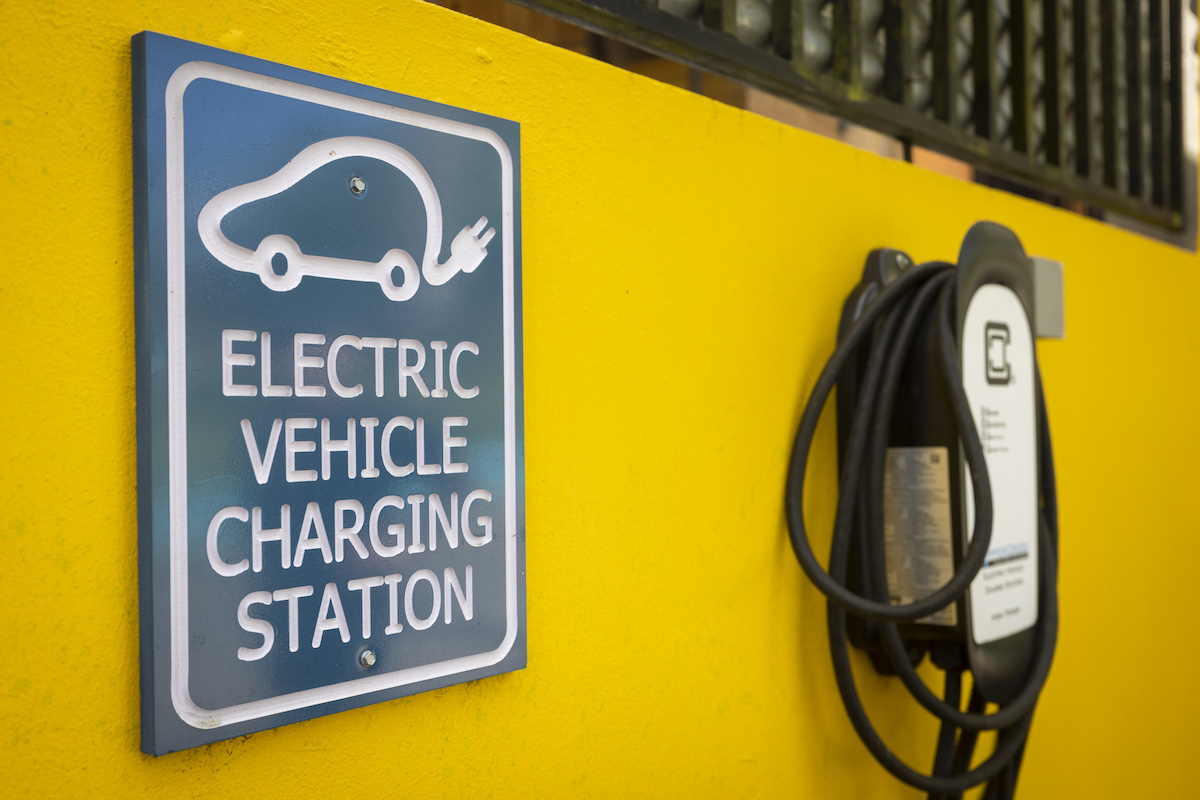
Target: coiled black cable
[[888, 327]]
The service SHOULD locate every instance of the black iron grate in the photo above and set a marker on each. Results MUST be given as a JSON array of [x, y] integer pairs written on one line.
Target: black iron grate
[[1079, 98]]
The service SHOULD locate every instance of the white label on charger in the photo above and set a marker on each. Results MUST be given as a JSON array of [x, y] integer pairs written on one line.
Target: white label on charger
[[998, 375], [918, 543]]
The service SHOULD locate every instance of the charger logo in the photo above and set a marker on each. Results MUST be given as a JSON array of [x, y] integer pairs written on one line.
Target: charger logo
[[996, 338]]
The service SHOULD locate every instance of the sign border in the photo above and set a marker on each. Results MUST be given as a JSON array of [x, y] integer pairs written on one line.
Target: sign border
[[188, 711]]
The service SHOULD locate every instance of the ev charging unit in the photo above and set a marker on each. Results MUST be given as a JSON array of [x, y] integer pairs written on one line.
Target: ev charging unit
[[945, 536]]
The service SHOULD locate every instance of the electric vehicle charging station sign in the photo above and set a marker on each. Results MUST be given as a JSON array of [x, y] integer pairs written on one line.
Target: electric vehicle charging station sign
[[329, 394]]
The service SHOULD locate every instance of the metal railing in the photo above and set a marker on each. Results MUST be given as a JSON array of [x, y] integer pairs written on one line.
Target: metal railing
[[1079, 98]]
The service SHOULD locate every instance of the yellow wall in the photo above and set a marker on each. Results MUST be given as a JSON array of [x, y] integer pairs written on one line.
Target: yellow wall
[[684, 264]]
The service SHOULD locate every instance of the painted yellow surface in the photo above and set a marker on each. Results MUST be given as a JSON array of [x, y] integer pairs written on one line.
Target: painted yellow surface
[[684, 264]]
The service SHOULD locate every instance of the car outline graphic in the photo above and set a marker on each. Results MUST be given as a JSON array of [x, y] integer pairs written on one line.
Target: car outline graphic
[[467, 250]]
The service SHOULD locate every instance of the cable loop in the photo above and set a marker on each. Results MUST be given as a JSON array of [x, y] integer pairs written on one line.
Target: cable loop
[[888, 325], [968, 436]]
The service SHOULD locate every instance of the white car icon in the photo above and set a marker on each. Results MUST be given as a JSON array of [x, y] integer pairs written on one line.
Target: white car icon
[[467, 250]]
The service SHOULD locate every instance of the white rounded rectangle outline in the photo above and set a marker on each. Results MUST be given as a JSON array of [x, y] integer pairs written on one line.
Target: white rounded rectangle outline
[[1002, 379], [181, 698]]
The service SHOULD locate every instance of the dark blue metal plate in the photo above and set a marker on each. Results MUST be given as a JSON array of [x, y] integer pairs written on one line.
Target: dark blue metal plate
[[329, 394]]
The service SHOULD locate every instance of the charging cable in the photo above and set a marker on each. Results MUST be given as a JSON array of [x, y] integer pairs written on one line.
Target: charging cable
[[886, 331]]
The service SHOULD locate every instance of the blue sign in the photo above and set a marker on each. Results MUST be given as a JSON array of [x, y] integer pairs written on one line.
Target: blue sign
[[330, 441]]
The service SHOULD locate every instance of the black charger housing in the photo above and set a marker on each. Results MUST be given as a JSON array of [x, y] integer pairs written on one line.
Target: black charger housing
[[922, 418]]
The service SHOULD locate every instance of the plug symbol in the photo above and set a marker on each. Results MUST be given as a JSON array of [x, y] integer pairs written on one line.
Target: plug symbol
[[467, 252], [995, 353]]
